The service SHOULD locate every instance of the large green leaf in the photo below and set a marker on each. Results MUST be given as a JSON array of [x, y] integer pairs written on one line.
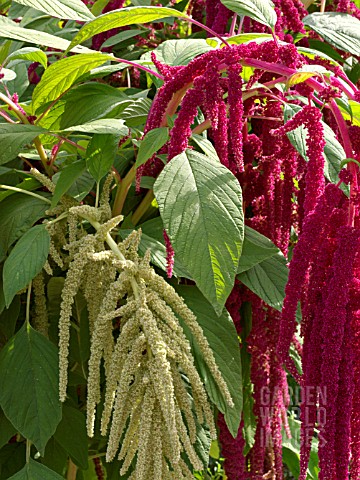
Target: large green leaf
[[25, 261], [200, 202], [256, 248], [55, 457], [62, 75], [84, 104], [339, 29], [65, 9], [13, 137], [205, 145], [112, 126], [29, 53], [121, 18], [181, 51], [136, 114], [268, 279], [12, 459], [71, 435], [7, 430], [223, 340], [66, 178], [260, 10], [36, 471], [10, 29], [17, 214], [151, 143], [100, 154], [29, 392]]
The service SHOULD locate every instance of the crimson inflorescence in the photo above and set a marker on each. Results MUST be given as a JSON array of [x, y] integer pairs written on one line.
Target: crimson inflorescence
[[283, 194]]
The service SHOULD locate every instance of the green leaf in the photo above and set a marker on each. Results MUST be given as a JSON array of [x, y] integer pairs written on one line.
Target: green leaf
[[268, 279], [260, 10], [121, 37], [13, 137], [55, 457], [206, 146], [63, 74], [10, 29], [29, 53], [223, 340], [151, 143], [136, 114], [249, 37], [84, 104], [7, 430], [71, 435], [333, 151], [65, 9], [81, 186], [339, 29], [200, 202], [100, 154], [17, 214], [29, 371], [25, 261], [36, 471], [112, 126], [256, 249], [12, 459], [181, 51], [66, 178], [121, 18]]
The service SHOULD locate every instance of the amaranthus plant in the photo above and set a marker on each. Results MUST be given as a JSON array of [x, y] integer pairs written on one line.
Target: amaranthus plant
[[179, 243]]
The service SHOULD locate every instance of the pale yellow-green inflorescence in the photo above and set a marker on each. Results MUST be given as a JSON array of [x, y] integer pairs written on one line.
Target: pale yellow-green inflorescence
[[154, 399], [40, 317]]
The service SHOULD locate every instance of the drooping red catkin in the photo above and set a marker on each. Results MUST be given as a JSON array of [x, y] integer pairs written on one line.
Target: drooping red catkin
[[270, 391], [215, 110], [346, 6], [355, 413], [335, 317], [312, 321], [344, 400], [210, 12], [181, 131], [310, 117], [99, 469], [170, 254], [221, 19], [232, 450], [257, 342], [290, 15], [33, 77], [298, 268], [236, 111], [168, 71]]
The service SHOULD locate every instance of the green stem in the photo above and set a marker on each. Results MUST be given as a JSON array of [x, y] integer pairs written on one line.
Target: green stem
[[122, 191], [27, 314], [32, 194], [28, 450], [142, 208], [71, 471], [97, 194]]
